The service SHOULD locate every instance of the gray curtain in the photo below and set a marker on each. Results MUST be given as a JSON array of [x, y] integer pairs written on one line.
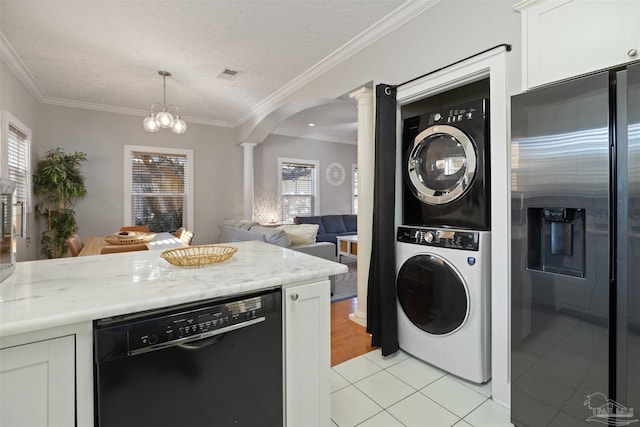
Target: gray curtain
[[382, 322]]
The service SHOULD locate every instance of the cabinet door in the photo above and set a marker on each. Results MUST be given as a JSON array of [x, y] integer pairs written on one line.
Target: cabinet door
[[37, 384], [308, 354], [567, 38]]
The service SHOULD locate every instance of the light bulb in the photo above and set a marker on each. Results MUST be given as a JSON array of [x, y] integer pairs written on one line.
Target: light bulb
[[179, 126], [164, 119], [150, 124]]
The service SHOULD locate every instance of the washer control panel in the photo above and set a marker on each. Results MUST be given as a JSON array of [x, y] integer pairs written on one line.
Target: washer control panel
[[438, 237]]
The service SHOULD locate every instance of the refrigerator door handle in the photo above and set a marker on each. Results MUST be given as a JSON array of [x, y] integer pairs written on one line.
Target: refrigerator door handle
[[618, 341]]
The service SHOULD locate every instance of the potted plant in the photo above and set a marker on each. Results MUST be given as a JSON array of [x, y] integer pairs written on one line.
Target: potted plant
[[59, 180]]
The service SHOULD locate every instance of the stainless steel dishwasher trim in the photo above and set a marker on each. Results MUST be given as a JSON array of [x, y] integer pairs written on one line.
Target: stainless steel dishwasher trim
[[192, 338]]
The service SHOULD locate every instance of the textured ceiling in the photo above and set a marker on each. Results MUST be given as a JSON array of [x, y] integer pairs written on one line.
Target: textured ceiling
[[106, 54]]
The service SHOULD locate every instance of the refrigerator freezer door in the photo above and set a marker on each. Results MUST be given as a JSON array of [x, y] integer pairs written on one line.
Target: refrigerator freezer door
[[560, 252], [628, 266]]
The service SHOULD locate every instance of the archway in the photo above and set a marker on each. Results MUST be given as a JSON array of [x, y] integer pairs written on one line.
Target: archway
[[292, 120]]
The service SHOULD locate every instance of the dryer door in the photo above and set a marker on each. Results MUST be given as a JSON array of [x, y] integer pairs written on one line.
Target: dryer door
[[441, 165], [432, 294]]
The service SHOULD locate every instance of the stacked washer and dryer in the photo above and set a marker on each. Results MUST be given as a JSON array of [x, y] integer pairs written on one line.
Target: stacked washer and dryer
[[443, 246]]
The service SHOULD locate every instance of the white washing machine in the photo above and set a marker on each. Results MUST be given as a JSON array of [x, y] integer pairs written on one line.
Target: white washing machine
[[443, 294]]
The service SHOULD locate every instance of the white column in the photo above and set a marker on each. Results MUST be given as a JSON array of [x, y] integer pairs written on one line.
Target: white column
[[247, 179], [366, 166]]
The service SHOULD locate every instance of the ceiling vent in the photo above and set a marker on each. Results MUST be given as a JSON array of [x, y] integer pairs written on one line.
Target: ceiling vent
[[228, 74]]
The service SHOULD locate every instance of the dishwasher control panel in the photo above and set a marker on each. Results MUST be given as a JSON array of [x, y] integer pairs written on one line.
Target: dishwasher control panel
[[193, 323], [144, 333]]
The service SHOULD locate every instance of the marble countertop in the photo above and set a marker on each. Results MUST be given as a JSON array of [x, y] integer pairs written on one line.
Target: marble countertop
[[52, 293]]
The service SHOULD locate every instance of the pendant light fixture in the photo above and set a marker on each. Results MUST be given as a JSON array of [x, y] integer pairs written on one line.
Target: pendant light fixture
[[154, 121]]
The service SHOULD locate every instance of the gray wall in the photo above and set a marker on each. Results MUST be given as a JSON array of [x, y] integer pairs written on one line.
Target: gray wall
[[18, 101], [333, 199], [217, 169]]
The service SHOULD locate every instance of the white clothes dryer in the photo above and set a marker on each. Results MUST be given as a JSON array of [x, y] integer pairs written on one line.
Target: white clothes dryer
[[443, 295]]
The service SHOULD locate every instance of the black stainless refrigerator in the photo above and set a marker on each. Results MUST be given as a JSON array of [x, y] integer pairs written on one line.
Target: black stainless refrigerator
[[575, 260]]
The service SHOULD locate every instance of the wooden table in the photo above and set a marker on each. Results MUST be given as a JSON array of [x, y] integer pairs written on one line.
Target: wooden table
[[347, 246], [94, 245]]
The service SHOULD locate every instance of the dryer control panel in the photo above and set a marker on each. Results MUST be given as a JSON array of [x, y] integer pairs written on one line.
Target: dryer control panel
[[442, 238], [455, 115]]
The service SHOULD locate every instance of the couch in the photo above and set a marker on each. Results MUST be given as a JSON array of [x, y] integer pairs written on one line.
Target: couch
[[331, 226], [238, 231]]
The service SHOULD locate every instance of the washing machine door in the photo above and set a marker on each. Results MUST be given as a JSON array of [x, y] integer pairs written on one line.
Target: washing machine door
[[432, 294], [441, 164]]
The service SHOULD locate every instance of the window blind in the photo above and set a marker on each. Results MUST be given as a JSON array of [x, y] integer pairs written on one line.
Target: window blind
[[159, 190], [19, 163], [298, 190]]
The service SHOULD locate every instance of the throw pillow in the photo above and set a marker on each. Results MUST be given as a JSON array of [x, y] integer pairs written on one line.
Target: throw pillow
[[310, 220], [273, 235], [301, 234]]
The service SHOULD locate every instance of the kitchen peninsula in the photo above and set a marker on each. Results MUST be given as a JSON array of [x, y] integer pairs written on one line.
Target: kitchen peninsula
[[48, 309]]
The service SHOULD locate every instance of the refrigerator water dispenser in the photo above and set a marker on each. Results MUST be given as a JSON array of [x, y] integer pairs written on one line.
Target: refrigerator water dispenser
[[556, 240]]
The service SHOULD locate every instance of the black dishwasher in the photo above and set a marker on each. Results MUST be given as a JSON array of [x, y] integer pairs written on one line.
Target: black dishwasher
[[218, 363]]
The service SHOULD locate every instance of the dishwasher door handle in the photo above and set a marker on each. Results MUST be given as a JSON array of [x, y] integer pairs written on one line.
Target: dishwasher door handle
[[200, 344], [181, 342]]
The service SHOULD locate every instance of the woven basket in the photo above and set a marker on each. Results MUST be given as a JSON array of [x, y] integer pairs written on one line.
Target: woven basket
[[131, 239], [198, 255]]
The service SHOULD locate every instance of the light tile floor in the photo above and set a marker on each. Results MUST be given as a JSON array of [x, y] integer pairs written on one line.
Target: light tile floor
[[396, 391]]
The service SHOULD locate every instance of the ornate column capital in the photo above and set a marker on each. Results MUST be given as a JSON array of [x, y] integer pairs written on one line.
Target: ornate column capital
[[248, 145], [362, 93]]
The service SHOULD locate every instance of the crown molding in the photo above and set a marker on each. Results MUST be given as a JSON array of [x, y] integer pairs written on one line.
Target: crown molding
[[61, 102], [9, 56], [385, 25], [525, 4]]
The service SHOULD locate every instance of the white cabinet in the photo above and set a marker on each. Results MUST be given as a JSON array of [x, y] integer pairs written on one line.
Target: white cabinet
[[567, 38], [37, 384], [307, 354]]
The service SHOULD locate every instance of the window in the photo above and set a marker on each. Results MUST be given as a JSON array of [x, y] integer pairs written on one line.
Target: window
[[354, 190], [298, 183], [18, 158], [158, 188]]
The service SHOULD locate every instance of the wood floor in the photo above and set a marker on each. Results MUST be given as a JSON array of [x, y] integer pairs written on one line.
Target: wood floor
[[348, 339]]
